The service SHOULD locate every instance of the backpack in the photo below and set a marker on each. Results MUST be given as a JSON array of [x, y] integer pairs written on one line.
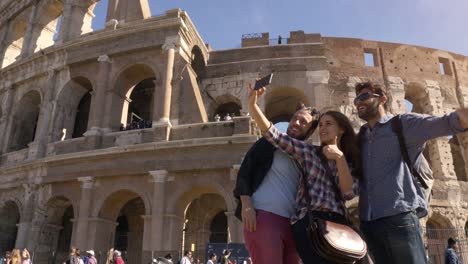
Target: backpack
[[423, 173]]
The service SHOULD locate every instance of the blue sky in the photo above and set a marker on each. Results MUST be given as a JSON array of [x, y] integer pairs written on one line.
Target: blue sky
[[430, 23]]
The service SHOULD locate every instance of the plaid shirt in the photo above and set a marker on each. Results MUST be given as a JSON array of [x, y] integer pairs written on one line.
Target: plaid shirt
[[320, 186]]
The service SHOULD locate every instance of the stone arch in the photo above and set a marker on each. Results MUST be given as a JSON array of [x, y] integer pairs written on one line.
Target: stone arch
[[198, 61], [15, 41], [205, 220], [282, 102], [72, 110], [25, 118], [111, 205], [438, 229], [203, 50], [416, 94], [127, 208], [438, 226], [179, 201], [48, 18], [125, 83], [10, 218], [225, 104]]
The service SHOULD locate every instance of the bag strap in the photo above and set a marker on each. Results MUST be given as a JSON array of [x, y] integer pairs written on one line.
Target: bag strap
[[397, 127], [337, 190]]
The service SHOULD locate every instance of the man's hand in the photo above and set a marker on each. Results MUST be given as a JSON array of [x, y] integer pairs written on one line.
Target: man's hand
[[254, 94], [463, 117], [249, 217]]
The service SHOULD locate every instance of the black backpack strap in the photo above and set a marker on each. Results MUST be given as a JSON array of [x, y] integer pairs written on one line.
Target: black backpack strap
[[397, 127]]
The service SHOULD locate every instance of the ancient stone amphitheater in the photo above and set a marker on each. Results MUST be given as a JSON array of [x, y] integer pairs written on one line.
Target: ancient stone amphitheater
[[108, 137]]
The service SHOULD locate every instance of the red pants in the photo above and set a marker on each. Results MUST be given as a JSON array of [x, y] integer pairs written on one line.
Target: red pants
[[272, 241]]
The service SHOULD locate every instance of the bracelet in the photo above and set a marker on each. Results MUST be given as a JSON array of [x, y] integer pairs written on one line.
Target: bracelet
[[248, 209]]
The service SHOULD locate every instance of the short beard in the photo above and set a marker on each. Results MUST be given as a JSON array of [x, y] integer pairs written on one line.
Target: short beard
[[298, 137], [370, 112]]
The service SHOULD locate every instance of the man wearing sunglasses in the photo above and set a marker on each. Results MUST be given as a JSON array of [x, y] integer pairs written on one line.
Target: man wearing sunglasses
[[391, 200]]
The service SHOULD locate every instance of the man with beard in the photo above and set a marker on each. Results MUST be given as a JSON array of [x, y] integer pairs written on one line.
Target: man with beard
[[267, 185], [390, 197]]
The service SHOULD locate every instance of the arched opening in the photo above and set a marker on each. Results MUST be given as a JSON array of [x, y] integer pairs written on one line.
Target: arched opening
[[205, 222], [55, 231], [282, 103], [417, 101], [25, 119], [458, 161], [9, 219], [65, 235], [72, 111], [127, 209], [198, 62], [15, 42], [140, 108], [438, 230], [135, 82], [82, 116], [226, 107], [218, 228], [100, 7], [48, 21]]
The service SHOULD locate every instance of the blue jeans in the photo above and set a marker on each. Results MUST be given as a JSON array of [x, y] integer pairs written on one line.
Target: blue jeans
[[395, 239]]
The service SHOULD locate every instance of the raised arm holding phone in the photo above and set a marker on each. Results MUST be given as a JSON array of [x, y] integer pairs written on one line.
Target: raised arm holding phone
[[323, 169]]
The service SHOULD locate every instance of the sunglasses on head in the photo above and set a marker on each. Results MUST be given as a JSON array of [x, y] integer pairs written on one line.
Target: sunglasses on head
[[364, 96]]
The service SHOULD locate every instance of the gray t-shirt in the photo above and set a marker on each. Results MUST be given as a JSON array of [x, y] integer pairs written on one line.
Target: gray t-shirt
[[277, 192]]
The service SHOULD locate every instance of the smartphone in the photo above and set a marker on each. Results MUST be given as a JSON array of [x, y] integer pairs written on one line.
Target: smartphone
[[263, 81]]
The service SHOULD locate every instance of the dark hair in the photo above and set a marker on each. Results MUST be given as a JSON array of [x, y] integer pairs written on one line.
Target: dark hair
[[374, 87], [348, 141], [168, 256], [451, 242], [212, 255], [315, 117], [186, 252]]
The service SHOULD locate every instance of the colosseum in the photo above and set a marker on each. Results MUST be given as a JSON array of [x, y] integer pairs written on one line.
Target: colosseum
[[108, 138]]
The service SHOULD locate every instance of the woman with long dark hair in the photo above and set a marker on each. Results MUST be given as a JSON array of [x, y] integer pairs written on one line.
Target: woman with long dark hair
[[326, 171]]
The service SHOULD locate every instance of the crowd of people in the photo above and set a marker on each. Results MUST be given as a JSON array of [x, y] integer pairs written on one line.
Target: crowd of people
[[284, 181], [16, 256], [136, 124]]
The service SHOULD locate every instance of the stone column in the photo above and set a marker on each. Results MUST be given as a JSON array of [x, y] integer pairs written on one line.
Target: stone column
[[96, 117], [162, 109], [6, 118], [37, 149], [4, 41], [173, 233], [101, 235], [235, 233], [28, 46], [81, 236], [397, 89], [158, 178], [66, 23], [441, 160], [76, 20]]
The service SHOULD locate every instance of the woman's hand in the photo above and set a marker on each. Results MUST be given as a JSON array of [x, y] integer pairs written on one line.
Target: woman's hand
[[332, 152]]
